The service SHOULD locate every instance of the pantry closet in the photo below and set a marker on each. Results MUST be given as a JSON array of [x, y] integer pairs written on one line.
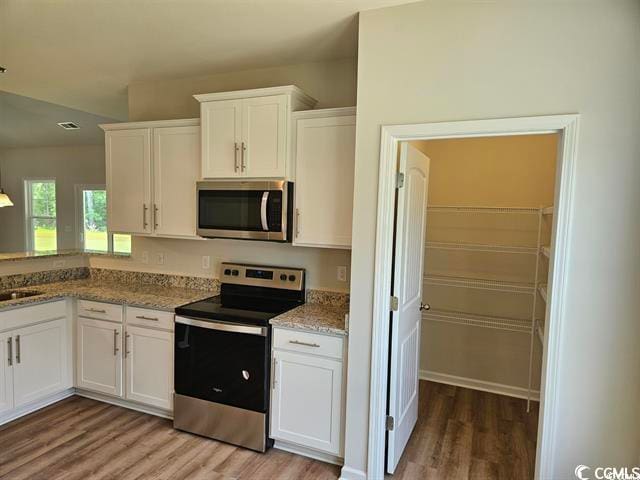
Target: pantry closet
[[489, 217]]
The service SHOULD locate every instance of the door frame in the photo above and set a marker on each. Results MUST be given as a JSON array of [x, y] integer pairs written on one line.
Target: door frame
[[391, 135]]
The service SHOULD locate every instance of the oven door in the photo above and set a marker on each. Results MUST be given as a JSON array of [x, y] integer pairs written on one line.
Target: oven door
[[245, 210], [222, 362]]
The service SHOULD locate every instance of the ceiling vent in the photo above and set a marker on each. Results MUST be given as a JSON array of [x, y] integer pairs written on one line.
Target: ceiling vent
[[68, 125]]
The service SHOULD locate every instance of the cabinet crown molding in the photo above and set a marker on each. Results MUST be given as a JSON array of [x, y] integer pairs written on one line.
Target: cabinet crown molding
[[183, 122], [259, 92]]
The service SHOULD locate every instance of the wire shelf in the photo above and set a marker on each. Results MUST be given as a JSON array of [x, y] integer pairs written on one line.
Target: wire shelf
[[547, 210], [479, 283], [485, 321], [546, 251], [543, 292], [540, 331], [478, 247], [466, 209]]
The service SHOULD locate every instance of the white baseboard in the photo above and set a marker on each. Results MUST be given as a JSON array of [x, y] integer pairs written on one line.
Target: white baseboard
[[119, 402], [482, 385], [349, 473], [307, 452], [32, 407]]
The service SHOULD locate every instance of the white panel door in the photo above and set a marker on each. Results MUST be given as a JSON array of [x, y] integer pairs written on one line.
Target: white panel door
[[128, 162], [221, 138], [6, 372], [176, 169], [307, 401], [40, 366], [149, 366], [264, 136], [325, 159], [407, 287], [99, 356]]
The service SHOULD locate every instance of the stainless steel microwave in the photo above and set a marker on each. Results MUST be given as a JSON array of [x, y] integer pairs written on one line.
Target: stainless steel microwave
[[253, 210]]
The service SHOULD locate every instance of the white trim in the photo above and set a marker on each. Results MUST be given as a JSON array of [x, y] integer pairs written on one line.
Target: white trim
[[28, 207], [567, 126], [184, 122], [79, 188], [324, 113], [40, 404], [292, 90], [120, 402], [349, 473], [474, 384], [307, 452]]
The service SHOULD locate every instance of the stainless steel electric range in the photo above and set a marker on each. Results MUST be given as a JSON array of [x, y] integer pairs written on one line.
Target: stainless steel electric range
[[223, 350]]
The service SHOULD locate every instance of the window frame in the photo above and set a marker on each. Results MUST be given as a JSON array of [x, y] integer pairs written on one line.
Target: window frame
[[29, 232]]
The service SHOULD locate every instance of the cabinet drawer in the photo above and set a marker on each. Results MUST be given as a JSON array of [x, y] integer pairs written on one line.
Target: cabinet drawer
[[100, 310], [150, 318], [299, 341]]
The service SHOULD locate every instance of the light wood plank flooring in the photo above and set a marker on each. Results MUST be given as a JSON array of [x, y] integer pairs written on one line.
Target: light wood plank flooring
[[468, 434], [461, 434]]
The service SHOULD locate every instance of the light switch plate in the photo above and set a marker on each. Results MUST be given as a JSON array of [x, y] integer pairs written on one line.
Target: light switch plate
[[342, 273], [160, 258]]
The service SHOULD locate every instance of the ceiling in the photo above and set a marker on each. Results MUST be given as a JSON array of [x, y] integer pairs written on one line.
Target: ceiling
[[25, 122], [83, 54]]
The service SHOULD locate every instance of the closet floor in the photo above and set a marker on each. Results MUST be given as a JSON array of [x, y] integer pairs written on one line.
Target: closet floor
[[468, 434]]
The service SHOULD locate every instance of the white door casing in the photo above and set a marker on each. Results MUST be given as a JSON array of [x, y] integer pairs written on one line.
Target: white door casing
[[6, 372], [407, 287]]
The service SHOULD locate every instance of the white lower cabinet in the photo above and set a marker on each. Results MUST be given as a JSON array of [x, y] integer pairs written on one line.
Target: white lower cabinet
[[132, 361], [307, 392], [6, 372], [149, 366], [99, 356]]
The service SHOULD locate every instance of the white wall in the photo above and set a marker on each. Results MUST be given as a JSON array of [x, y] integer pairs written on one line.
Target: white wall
[[442, 61], [69, 165]]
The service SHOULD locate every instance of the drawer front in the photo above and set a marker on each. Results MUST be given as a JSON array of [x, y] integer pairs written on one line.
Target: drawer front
[[307, 342], [100, 310], [150, 318]]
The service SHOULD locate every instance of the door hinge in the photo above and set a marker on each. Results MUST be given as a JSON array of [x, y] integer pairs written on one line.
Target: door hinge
[[400, 180], [394, 304], [390, 423]]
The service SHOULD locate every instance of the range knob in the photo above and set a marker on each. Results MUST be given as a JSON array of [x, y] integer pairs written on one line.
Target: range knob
[[234, 273], [292, 278], [227, 271], [283, 277]]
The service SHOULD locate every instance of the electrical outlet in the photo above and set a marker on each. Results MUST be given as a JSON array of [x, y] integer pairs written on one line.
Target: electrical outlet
[[160, 258], [206, 262], [144, 257], [342, 273]]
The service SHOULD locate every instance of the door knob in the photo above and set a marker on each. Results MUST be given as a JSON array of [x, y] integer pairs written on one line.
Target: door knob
[[424, 306]]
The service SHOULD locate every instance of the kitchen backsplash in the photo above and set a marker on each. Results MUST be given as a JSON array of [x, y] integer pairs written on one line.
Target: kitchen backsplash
[[38, 278]]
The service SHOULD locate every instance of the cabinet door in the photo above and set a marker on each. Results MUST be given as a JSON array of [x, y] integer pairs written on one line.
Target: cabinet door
[[324, 159], [149, 366], [99, 356], [264, 136], [6, 372], [176, 168], [128, 162], [304, 384], [40, 361], [221, 138]]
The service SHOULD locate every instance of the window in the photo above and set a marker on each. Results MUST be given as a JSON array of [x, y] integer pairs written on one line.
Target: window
[[92, 222], [40, 218]]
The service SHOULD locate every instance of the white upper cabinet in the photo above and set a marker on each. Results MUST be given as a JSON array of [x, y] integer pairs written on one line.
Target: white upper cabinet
[[176, 168], [324, 159], [152, 169], [246, 133], [128, 162]]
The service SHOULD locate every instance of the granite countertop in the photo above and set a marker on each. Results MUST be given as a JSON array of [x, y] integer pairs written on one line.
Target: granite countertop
[[17, 256], [138, 295], [315, 317]]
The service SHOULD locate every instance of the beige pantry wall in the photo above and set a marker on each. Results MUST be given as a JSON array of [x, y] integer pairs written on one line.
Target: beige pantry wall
[[332, 83]]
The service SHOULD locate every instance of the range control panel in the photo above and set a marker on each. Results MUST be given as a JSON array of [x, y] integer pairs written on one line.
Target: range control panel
[[262, 276]]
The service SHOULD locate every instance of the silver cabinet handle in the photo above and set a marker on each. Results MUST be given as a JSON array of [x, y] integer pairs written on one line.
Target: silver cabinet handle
[[142, 317], [126, 339], [10, 349], [144, 216], [235, 157], [297, 222], [243, 162], [18, 356], [155, 216], [298, 342], [424, 306], [115, 343], [96, 310], [273, 373]]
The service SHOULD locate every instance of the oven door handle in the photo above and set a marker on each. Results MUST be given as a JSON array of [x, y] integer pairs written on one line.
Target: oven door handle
[[263, 211], [223, 327]]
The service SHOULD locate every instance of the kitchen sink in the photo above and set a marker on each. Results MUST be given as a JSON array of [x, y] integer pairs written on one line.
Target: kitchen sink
[[14, 295]]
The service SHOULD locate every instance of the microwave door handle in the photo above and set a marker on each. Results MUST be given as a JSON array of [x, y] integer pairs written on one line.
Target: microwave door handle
[[263, 211]]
